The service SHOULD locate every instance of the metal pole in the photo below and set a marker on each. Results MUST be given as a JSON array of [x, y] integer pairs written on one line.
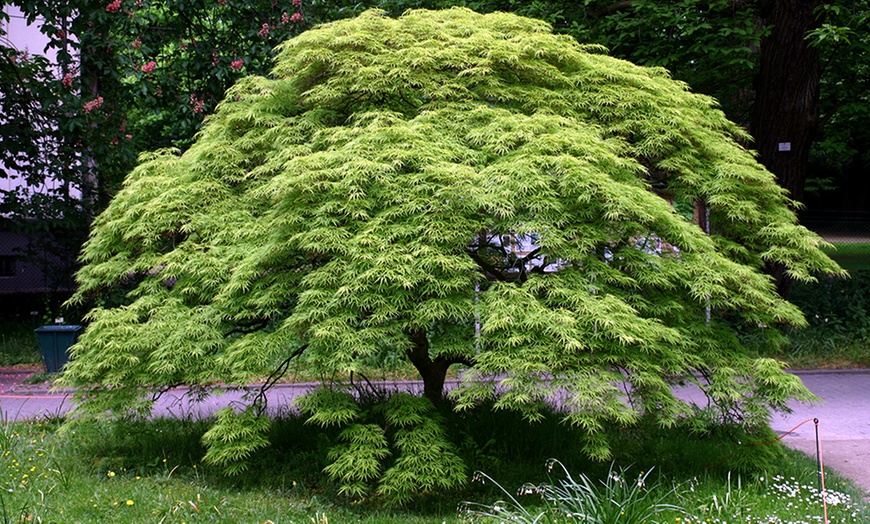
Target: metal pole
[[818, 455]]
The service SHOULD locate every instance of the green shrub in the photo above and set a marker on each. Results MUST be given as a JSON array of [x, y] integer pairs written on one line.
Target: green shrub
[[838, 313]]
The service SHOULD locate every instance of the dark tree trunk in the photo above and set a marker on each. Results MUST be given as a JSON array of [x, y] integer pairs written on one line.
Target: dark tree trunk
[[786, 111], [433, 372]]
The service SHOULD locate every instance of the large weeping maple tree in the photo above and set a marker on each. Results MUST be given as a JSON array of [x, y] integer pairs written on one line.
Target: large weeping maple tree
[[446, 188]]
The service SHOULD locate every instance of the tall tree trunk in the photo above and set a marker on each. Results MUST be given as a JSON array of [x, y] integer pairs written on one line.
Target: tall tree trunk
[[433, 372], [786, 112]]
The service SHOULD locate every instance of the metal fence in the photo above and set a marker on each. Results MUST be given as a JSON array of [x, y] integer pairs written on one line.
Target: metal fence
[[839, 226]]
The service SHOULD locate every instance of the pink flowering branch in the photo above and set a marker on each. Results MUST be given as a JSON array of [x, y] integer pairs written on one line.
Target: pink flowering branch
[[93, 104]]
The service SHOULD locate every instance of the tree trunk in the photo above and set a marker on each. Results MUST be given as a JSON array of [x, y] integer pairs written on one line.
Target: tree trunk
[[785, 116], [433, 372]]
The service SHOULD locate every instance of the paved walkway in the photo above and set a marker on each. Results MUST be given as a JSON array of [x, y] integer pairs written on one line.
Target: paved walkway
[[843, 416], [844, 422]]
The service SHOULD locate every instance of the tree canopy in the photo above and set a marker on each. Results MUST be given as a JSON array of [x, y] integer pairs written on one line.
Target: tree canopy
[[446, 188]]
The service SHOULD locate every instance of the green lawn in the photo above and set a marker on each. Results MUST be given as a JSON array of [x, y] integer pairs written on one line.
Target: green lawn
[[851, 255], [151, 472]]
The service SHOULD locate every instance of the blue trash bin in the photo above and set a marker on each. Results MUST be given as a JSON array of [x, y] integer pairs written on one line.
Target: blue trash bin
[[54, 344]]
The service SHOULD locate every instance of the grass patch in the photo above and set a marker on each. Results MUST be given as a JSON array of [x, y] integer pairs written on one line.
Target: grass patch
[[851, 255], [632, 496], [151, 471], [18, 344], [812, 349]]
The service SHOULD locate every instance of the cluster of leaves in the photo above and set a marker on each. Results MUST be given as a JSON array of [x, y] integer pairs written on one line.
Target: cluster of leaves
[[372, 199], [844, 43], [399, 444], [713, 46]]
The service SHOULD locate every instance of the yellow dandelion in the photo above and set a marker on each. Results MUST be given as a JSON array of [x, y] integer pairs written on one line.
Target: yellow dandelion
[[130, 502], [111, 474]]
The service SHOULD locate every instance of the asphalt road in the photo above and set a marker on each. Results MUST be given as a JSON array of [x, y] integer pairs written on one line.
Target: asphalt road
[[843, 415]]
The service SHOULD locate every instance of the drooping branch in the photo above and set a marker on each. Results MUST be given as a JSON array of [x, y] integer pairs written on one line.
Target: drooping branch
[[245, 328], [371, 387], [491, 271], [261, 401], [511, 261]]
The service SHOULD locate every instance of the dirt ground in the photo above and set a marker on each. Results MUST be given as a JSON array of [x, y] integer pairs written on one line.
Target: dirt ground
[[16, 379]]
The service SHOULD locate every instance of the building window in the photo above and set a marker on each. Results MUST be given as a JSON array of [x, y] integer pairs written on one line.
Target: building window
[[7, 266]]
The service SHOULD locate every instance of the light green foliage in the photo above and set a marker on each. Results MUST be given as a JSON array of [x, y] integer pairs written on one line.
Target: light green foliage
[[234, 437], [426, 458], [396, 181], [358, 461], [405, 427]]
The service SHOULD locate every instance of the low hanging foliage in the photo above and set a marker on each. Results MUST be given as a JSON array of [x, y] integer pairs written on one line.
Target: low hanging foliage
[[446, 188]]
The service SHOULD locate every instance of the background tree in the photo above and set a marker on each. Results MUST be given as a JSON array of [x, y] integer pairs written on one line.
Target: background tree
[[129, 76], [40, 152], [839, 159], [396, 183]]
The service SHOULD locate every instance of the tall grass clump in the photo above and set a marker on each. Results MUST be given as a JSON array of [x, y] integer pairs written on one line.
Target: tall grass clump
[[705, 499], [618, 499]]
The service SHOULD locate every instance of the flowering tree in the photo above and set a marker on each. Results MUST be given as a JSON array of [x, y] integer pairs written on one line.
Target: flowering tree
[[130, 75], [178, 58], [40, 155], [445, 188]]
